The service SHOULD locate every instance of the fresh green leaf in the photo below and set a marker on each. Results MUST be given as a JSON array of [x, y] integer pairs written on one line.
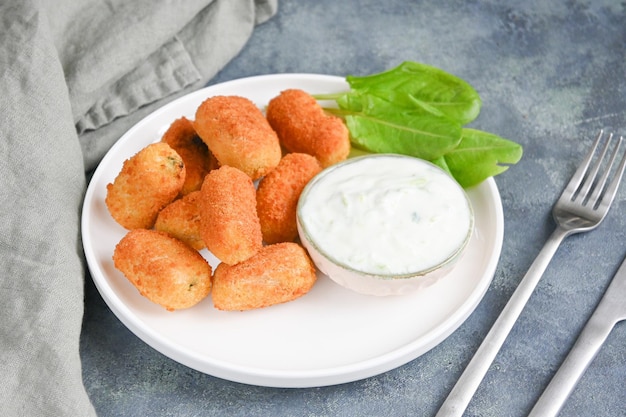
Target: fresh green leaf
[[419, 110], [415, 85], [423, 136], [441, 163], [481, 155], [377, 125]]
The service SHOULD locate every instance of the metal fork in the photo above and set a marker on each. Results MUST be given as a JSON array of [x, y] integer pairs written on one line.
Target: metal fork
[[581, 207]]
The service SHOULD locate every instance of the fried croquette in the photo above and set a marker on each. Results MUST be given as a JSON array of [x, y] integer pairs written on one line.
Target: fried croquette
[[229, 224], [276, 274], [163, 269], [302, 125], [181, 219], [198, 160], [148, 181], [238, 134], [278, 193]]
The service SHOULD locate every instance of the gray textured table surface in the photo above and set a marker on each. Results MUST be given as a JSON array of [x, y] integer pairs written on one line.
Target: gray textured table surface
[[550, 75]]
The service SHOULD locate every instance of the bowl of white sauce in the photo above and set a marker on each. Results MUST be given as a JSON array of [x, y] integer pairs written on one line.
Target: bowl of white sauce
[[384, 224]]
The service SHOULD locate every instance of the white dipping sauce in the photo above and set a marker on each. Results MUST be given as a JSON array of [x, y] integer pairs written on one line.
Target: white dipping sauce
[[386, 215]]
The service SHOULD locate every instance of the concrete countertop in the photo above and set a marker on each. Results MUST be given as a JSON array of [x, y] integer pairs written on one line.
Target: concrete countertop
[[550, 74]]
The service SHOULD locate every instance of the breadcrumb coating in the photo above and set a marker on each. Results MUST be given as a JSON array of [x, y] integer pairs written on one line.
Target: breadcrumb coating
[[163, 269], [229, 224], [303, 126], [181, 219], [278, 194], [238, 134], [148, 181], [198, 160], [276, 274]]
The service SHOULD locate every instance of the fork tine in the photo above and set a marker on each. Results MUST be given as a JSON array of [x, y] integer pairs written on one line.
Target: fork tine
[[578, 176], [591, 177], [611, 191], [597, 192]]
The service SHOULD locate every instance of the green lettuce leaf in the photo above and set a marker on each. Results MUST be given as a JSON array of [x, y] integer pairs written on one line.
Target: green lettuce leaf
[[425, 137], [481, 155], [419, 110], [415, 85]]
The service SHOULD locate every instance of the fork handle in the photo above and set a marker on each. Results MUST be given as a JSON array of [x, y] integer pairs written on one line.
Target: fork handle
[[460, 396], [580, 356]]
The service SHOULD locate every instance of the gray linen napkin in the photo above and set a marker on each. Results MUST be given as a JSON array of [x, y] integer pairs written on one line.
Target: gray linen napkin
[[73, 77]]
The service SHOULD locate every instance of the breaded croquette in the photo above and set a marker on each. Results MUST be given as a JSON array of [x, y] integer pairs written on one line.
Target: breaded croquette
[[198, 160], [238, 134], [148, 181], [181, 219], [276, 274], [278, 193], [163, 269], [303, 126], [229, 224]]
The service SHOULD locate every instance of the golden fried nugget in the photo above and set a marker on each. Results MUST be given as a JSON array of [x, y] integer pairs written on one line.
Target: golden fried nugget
[[163, 269], [238, 134], [148, 181], [278, 193], [302, 125], [198, 160], [181, 219], [276, 274], [229, 224]]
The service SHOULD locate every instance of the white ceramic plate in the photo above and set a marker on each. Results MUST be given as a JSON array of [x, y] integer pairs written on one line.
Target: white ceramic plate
[[329, 336]]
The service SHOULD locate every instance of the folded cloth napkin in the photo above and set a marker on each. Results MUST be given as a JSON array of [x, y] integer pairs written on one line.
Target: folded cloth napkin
[[73, 77]]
